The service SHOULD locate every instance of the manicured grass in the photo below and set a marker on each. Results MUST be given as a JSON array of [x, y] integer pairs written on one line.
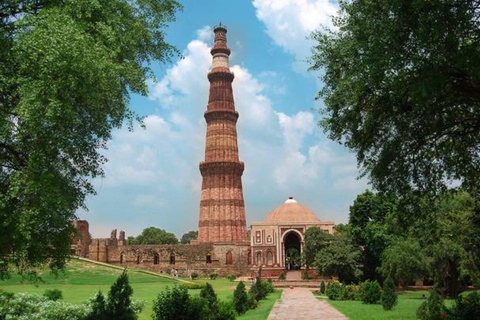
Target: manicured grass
[[81, 280], [408, 303]]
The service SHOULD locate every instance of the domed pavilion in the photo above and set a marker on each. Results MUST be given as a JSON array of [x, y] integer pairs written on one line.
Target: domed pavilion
[[274, 241]]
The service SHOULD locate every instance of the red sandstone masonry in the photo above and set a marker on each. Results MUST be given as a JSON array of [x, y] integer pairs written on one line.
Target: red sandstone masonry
[[222, 210]]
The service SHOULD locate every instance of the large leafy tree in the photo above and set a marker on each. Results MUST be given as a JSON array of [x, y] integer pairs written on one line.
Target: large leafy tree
[[370, 228], [314, 239], [66, 70], [339, 259], [402, 89], [189, 236], [152, 235]]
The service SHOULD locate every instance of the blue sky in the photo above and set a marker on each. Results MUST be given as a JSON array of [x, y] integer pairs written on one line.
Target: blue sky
[[152, 177]]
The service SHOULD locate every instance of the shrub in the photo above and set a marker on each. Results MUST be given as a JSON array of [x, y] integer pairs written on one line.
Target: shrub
[[118, 302], [53, 294], [322, 288], [240, 298], [232, 277], [466, 308], [25, 306], [268, 285], [282, 276], [389, 296], [208, 294], [226, 310], [306, 276], [194, 275], [258, 289], [197, 308], [213, 275], [371, 292], [433, 308], [252, 302], [334, 290], [172, 304], [193, 286], [348, 292], [98, 307], [137, 305]]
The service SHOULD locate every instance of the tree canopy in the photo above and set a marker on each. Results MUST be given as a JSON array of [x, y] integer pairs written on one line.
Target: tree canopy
[[402, 90], [314, 239], [66, 71], [189, 236], [152, 235]]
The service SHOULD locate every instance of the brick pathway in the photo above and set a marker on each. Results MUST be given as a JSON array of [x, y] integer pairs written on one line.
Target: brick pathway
[[300, 303]]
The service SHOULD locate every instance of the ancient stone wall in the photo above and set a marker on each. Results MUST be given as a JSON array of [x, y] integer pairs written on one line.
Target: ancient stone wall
[[82, 240]]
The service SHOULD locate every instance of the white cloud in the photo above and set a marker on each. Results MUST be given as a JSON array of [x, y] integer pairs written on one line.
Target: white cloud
[[289, 22]]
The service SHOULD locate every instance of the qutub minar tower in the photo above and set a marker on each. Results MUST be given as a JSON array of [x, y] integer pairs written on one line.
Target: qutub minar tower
[[222, 209]]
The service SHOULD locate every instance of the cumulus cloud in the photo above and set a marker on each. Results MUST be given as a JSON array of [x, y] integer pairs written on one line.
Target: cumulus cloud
[[290, 22]]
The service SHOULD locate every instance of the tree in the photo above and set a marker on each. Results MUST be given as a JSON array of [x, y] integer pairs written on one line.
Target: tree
[[240, 298], [402, 90], [152, 235], [404, 260], [98, 308], [369, 230], [314, 239], [340, 259], [210, 297], [189, 236], [389, 296], [431, 309], [67, 69], [119, 302]]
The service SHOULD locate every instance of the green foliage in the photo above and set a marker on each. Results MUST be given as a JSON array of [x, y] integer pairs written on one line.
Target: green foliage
[[306, 276], [252, 302], [314, 240], [173, 304], [322, 288], [370, 292], [211, 301], [282, 276], [153, 235], [232, 277], [53, 294], [98, 307], [258, 289], [334, 290], [340, 259], [404, 260], [240, 298], [24, 306], [67, 69], [119, 301], [401, 90], [465, 308], [194, 275], [226, 311], [389, 296], [268, 285], [293, 258], [193, 286], [189, 236], [368, 230], [213, 275], [433, 308]]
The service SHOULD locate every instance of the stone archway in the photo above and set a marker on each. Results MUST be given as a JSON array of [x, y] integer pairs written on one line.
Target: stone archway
[[292, 249]]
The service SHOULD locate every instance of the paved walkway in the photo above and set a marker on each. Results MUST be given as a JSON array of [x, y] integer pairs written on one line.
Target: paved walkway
[[300, 303]]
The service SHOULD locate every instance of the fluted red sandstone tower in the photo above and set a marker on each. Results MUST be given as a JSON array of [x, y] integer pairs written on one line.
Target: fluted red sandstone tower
[[222, 210]]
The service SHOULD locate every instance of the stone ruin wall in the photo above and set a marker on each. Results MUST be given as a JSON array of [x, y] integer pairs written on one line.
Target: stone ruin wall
[[225, 258]]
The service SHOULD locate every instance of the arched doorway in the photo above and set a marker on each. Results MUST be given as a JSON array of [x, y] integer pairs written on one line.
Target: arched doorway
[[292, 250]]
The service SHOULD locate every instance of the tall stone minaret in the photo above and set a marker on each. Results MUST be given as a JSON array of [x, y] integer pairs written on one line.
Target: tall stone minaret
[[222, 210]]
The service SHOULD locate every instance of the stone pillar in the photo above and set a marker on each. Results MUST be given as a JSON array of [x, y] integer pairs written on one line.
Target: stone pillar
[[222, 209]]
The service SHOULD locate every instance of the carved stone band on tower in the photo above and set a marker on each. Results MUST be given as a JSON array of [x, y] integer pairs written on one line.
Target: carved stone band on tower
[[222, 210]]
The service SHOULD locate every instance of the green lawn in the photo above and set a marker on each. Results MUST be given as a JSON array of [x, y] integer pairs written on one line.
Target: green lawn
[[408, 303], [81, 280]]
